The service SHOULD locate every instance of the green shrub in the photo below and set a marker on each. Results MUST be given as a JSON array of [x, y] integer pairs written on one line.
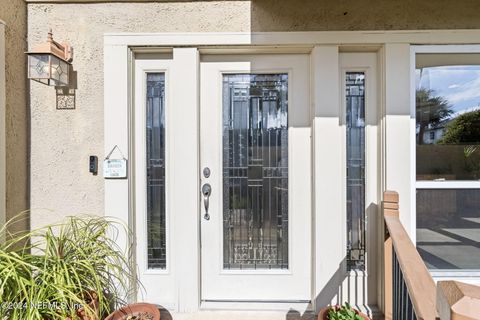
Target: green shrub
[[345, 312], [50, 272]]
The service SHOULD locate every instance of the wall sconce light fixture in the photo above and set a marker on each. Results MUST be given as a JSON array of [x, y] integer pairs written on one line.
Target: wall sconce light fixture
[[50, 62]]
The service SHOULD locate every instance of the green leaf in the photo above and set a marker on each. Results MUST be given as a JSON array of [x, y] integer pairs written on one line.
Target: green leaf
[[60, 264]]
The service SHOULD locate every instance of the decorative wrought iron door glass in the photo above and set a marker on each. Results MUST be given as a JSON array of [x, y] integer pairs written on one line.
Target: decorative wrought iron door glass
[[355, 118], [255, 171], [155, 140]]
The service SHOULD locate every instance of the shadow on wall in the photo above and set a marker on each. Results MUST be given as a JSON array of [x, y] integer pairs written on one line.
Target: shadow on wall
[[353, 286], [333, 290], [338, 289], [331, 293], [295, 315], [322, 15]]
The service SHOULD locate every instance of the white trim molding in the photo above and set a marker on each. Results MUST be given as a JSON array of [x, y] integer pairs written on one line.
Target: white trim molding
[[309, 38]]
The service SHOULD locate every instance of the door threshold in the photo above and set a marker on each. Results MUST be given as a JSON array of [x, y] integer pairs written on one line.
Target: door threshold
[[241, 315], [300, 306]]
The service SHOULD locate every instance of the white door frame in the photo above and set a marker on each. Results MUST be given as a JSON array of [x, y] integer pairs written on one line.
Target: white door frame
[[366, 62], [119, 51], [154, 280]]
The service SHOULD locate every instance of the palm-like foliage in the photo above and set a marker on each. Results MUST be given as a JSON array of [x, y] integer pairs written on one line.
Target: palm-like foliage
[[430, 110], [49, 273]]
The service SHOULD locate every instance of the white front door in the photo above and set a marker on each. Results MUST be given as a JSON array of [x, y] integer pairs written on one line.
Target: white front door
[[256, 176]]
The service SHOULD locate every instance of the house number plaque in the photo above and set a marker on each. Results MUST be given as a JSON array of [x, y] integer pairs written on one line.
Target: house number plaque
[[115, 168]]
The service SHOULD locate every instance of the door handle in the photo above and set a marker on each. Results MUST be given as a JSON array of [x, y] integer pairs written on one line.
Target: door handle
[[206, 191]]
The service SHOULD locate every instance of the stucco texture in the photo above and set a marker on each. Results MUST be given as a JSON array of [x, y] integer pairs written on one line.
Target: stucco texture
[[14, 13], [320, 15], [62, 140]]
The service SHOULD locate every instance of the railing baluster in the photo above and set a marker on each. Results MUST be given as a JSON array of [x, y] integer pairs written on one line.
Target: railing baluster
[[398, 289], [394, 286], [402, 297], [409, 308]]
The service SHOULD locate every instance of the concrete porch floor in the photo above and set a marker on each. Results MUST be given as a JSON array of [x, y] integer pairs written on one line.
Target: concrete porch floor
[[245, 315]]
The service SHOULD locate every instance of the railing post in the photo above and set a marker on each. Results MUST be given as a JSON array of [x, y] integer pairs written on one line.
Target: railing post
[[390, 207], [458, 301]]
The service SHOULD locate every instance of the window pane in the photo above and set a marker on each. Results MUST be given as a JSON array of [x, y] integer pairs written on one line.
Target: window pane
[[448, 228], [255, 171], [39, 66], [355, 104], [156, 170], [448, 121]]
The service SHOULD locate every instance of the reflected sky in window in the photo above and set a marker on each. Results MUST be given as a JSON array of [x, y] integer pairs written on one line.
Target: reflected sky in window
[[460, 85]]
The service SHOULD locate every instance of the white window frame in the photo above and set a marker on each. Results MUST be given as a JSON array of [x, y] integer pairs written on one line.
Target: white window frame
[[428, 184]]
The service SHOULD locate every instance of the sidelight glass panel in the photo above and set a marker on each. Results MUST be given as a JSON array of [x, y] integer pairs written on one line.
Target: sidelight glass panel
[[155, 113], [255, 171], [355, 117]]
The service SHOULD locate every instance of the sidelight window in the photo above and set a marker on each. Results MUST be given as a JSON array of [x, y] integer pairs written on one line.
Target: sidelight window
[[155, 139]]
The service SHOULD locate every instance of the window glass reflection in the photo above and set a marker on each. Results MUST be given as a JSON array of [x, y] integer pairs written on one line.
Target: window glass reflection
[[448, 122], [448, 228]]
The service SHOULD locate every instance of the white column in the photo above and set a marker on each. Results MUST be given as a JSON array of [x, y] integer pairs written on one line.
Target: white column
[[398, 130], [116, 126], [185, 176], [329, 186]]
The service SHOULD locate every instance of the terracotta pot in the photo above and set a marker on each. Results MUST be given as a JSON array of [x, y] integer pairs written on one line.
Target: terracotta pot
[[135, 309], [322, 315]]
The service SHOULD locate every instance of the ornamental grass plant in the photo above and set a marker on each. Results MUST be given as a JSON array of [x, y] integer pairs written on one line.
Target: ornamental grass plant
[[70, 270]]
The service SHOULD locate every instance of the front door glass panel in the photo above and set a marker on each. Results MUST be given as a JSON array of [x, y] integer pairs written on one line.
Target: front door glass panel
[[255, 171]]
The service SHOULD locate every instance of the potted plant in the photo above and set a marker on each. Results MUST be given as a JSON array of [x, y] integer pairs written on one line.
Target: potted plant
[[136, 311], [343, 312], [71, 270]]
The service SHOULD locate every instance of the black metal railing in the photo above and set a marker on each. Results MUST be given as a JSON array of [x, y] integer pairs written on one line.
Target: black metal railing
[[402, 303]]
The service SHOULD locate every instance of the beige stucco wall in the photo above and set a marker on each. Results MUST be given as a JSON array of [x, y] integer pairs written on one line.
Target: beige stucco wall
[[14, 13], [310, 15], [62, 140]]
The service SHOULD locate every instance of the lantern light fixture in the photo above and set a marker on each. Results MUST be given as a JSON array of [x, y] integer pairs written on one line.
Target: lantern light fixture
[[50, 63]]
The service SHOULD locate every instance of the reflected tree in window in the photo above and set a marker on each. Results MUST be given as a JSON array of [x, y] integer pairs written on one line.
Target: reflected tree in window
[[447, 122], [465, 130], [430, 111]]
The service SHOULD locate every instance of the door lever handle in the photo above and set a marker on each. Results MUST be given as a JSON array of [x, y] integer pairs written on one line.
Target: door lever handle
[[206, 191]]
